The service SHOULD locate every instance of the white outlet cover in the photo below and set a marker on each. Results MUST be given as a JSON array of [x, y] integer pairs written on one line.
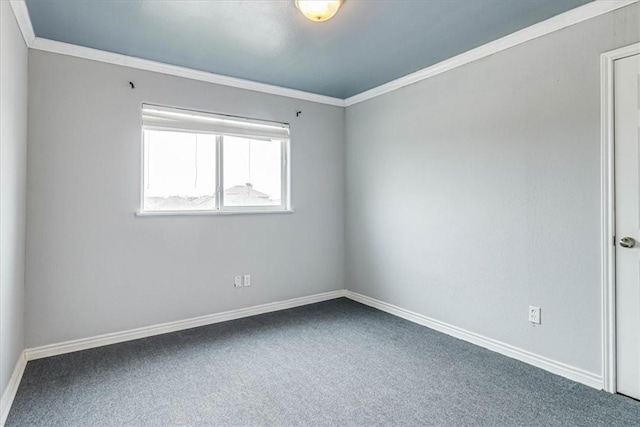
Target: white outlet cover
[[247, 280], [534, 314], [237, 282]]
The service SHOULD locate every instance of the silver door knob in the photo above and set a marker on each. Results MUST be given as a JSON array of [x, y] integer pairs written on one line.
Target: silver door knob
[[627, 242]]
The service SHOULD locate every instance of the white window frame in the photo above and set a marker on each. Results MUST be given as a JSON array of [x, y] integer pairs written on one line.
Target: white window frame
[[220, 208]]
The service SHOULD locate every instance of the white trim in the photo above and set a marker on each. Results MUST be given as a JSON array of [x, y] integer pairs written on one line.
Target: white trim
[[12, 388], [607, 224], [174, 70], [164, 328], [550, 365], [558, 22], [566, 19], [213, 212], [24, 21], [558, 368]]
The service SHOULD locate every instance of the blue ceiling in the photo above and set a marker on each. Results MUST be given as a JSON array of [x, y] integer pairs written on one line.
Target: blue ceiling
[[368, 42]]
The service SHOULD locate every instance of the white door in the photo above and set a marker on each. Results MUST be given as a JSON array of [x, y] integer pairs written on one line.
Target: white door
[[627, 182]]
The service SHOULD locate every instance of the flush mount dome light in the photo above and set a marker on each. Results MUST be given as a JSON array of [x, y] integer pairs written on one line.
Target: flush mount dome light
[[318, 10]]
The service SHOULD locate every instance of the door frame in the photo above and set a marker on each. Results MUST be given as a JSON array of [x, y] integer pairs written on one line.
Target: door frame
[[608, 225]]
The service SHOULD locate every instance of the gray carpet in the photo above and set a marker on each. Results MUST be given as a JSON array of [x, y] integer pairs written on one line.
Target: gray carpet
[[332, 363]]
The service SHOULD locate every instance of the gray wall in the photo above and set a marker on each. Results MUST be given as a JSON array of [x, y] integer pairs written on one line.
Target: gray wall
[[474, 193], [13, 163], [469, 196], [93, 267]]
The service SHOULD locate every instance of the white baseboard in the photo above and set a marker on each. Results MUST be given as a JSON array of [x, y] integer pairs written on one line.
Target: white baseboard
[[558, 368], [12, 388], [148, 331]]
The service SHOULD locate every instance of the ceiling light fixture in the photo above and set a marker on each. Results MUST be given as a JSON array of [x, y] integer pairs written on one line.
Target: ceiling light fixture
[[318, 10]]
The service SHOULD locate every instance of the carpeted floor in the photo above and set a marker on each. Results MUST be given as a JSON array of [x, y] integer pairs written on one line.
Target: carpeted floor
[[332, 363]]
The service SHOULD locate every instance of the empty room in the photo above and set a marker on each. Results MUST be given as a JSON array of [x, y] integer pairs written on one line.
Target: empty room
[[319, 212]]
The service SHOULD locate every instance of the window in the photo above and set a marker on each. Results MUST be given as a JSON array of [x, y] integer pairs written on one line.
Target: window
[[202, 162]]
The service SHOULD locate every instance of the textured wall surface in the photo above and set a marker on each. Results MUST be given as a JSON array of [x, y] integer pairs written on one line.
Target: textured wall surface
[[469, 196], [13, 178], [93, 267], [475, 193]]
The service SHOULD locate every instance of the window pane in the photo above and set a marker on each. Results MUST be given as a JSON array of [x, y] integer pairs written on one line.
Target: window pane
[[252, 172], [179, 171]]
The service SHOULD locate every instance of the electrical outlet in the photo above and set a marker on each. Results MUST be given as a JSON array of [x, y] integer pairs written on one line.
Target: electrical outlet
[[237, 283], [534, 314], [247, 280]]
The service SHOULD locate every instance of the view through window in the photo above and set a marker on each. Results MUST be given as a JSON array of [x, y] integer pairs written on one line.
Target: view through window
[[203, 162]]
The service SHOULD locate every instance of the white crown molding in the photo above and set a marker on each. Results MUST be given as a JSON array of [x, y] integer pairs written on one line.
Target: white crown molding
[[164, 328], [174, 70], [558, 22], [12, 388], [571, 17], [555, 367], [607, 213], [24, 22]]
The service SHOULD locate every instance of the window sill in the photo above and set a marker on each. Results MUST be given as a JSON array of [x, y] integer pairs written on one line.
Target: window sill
[[212, 213]]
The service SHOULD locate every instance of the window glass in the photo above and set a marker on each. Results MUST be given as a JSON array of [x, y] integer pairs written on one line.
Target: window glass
[[252, 172], [179, 171], [196, 161]]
